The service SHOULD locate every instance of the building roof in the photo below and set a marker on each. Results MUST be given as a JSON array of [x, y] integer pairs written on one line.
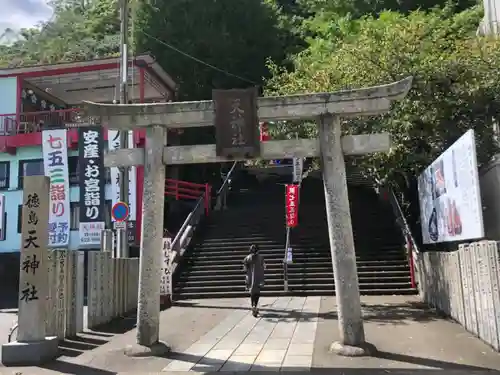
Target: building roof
[[98, 80]]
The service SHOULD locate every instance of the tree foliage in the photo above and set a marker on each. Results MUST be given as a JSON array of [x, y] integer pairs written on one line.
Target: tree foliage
[[78, 31], [360, 8], [235, 36], [455, 84]]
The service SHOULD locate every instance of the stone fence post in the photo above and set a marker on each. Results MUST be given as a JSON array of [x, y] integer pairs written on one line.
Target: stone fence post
[[465, 284]]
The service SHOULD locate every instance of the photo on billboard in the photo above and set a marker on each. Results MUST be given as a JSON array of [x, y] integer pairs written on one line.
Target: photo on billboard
[[449, 195]]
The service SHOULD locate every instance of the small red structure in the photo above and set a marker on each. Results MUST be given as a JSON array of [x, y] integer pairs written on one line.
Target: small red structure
[[264, 132], [189, 190]]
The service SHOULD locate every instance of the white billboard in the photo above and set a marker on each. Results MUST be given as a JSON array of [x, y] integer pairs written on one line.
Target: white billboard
[[449, 195]]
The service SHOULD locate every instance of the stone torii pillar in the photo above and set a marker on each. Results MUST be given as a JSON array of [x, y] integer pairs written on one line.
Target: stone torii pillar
[[329, 108]]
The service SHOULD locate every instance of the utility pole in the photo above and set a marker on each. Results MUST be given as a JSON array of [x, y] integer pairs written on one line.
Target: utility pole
[[122, 243]]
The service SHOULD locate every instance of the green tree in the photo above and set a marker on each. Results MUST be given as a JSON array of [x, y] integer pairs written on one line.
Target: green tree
[[78, 31], [455, 87], [360, 8], [234, 36]]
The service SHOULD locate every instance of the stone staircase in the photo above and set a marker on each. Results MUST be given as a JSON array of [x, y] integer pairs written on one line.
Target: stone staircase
[[213, 267]]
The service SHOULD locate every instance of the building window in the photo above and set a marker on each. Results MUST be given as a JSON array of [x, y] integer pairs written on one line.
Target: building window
[[3, 236], [32, 167], [19, 218], [75, 216], [4, 175], [107, 214], [107, 175], [73, 170]]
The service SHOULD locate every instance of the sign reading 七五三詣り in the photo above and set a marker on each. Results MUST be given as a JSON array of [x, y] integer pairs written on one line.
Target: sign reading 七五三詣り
[[55, 163], [114, 144], [91, 180]]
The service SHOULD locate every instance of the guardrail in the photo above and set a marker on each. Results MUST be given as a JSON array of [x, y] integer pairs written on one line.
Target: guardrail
[[186, 232], [221, 200], [411, 245], [189, 190], [33, 122]]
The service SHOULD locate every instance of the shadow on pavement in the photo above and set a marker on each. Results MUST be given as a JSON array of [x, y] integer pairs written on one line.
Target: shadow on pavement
[[209, 365], [72, 368], [391, 313], [89, 340]]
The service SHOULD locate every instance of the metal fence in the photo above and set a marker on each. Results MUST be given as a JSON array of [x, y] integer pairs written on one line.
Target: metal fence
[[464, 284]]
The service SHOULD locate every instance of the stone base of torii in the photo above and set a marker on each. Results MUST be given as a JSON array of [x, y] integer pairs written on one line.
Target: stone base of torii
[[327, 108]]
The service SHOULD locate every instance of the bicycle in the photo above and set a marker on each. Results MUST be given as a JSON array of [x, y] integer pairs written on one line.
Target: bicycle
[[13, 330]]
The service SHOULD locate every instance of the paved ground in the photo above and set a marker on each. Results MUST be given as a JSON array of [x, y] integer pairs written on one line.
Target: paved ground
[[282, 339], [293, 333]]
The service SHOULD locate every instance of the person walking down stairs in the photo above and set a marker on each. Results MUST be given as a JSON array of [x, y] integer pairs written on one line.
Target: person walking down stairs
[[254, 266]]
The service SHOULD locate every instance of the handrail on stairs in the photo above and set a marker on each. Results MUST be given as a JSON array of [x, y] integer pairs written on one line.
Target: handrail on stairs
[[185, 233], [221, 200], [411, 245]]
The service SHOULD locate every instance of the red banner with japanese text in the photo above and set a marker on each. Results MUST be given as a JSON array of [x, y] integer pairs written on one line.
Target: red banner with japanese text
[[292, 205]]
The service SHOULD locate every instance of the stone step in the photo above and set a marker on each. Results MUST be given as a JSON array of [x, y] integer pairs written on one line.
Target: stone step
[[278, 287], [297, 257], [294, 292], [327, 275], [278, 280], [243, 246], [298, 253], [260, 237], [292, 268], [276, 261]]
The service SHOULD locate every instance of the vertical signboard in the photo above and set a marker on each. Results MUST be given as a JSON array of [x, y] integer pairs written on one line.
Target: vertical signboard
[[292, 209], [264, 132], [2, 218], [55, 162], [33, 276], [166, 275], [114, 144], [236, 123], [449, 195], [298, 167], [91, 178]]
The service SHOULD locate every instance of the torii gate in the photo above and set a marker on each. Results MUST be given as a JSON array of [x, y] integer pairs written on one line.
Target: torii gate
[[327, 108]]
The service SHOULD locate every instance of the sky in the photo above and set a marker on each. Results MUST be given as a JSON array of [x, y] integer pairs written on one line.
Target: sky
[[17, 14]]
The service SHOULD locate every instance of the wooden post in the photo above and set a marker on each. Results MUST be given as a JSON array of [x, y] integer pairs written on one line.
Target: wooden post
[[148, 309], [32, 346], [352, 335]]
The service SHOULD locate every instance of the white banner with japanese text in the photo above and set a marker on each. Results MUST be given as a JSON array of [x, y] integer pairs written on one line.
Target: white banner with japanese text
[[298, 167], [114, 144], [55, 163], [166, 274], [91, 180]]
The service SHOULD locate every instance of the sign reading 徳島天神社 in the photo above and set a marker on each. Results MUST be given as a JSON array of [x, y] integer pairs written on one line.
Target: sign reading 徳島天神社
[[55, 163]]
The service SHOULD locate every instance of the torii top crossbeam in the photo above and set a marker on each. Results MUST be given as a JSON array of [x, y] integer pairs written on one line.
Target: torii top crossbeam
[[348, 103]]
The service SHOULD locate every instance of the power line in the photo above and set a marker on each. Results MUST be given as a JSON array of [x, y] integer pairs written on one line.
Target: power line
[[197, 60]]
